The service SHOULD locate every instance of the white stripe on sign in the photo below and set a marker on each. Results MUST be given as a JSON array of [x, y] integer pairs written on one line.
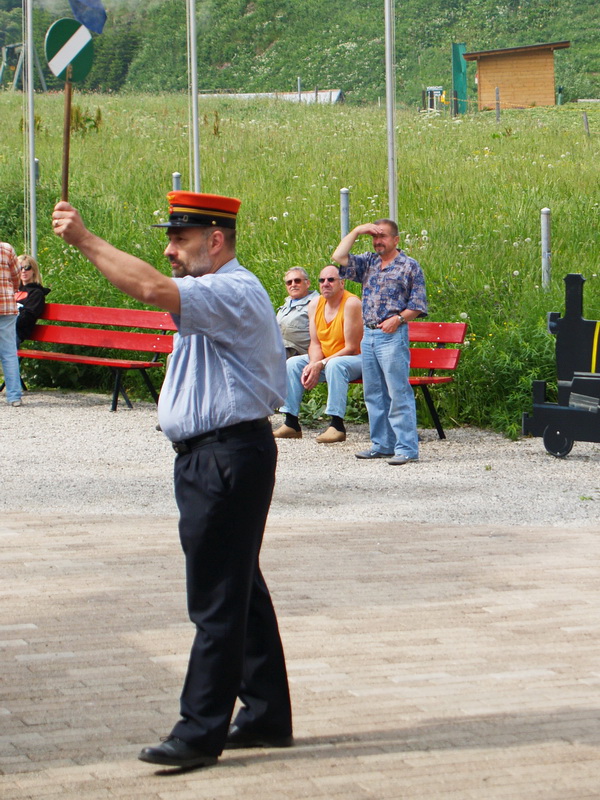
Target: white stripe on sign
[[70, 50]]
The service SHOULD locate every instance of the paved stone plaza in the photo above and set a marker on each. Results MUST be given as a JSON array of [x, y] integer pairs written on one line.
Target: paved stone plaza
[[425, 661]]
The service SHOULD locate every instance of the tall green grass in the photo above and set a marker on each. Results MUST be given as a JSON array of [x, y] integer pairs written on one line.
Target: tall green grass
[[470, 195]]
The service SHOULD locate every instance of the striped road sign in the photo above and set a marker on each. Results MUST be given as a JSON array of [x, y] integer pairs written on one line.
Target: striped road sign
[[68, 42]]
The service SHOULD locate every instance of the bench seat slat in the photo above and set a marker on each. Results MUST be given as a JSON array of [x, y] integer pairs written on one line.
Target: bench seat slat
[[426, 380], [98, 361]]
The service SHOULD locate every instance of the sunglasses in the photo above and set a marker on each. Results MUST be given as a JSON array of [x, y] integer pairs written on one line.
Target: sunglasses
[[329, 280], [293, 280], [26, 269]]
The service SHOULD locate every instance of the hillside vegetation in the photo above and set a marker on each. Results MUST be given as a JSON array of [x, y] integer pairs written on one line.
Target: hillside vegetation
[[265, 45], [470, 195]]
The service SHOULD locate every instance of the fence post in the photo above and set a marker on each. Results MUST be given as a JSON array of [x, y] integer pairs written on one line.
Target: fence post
[[299, 90], [176, 177], [345, 212], [546, 252], [586, 123], [497, 104]]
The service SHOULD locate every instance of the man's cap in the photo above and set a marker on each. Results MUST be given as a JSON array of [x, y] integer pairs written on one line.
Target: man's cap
[[194, 209]]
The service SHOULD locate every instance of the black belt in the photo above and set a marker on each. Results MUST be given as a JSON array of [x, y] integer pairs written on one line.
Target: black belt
[[219, 435]]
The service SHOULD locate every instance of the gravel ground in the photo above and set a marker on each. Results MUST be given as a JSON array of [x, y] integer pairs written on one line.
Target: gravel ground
[[66, 453]]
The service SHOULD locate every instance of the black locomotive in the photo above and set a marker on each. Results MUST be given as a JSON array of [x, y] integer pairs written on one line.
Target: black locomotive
[[576, 416]]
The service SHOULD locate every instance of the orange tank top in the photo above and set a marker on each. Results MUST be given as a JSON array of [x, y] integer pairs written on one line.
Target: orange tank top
[[331, 334]]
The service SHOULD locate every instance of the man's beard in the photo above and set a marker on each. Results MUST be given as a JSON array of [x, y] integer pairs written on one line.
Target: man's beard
[[197, 266]]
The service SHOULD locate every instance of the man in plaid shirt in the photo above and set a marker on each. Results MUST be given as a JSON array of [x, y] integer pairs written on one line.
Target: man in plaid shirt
[[9, 283], [393, 295]]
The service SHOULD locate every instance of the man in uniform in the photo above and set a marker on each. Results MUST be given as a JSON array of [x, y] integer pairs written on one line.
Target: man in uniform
[[226, 375], [393, 294]]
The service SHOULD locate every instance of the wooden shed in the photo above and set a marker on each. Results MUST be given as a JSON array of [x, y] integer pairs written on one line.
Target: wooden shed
[[524, 75]]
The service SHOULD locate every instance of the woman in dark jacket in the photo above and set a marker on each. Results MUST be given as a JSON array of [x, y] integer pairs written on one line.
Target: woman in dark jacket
[[30, 297]]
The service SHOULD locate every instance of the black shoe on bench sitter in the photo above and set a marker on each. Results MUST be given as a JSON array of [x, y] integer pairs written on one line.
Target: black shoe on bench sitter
[[174, 752], [239, 738]]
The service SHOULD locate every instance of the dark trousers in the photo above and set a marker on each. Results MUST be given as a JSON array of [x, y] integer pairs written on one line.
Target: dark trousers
[[223, 490]]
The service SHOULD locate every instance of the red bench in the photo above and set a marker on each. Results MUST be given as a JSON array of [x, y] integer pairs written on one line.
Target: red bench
[[427, 360], [71, 325]]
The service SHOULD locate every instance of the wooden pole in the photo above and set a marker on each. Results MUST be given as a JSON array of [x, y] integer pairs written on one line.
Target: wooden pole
[[64, 195]]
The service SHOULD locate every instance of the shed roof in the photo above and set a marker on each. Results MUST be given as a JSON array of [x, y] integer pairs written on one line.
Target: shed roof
[[511, 50]]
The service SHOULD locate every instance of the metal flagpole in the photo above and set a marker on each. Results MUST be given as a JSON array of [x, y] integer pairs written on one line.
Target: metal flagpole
[[390, 93], [193, 48], [31, 130]]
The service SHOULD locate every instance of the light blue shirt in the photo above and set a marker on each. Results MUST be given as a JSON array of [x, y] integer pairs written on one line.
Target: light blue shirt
[[228, 361]]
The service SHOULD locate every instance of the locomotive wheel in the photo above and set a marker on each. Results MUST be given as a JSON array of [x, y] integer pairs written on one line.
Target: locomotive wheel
[[556, 442]]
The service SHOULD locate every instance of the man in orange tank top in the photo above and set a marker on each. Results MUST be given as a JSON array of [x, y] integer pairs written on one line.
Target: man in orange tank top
[[336, 331]]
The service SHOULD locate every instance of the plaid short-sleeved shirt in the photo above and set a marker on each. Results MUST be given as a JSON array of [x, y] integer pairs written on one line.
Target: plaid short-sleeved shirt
[[390, 290], [9, 279]]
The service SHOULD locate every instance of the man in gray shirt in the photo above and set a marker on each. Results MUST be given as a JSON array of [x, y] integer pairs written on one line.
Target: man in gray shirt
[[226, 375], [292, 316]]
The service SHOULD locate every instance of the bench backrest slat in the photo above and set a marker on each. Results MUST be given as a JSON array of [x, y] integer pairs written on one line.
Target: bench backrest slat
[[433, 358], [99, 315], [97, 337], [441, 332]]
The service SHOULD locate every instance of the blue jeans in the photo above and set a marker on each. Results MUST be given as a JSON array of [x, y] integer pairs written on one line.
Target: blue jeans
[[337, 374], [389, 397], [8, 357]]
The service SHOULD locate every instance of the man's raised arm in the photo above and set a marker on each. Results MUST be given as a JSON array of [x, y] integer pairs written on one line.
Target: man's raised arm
[[128, 273], [342, 251]]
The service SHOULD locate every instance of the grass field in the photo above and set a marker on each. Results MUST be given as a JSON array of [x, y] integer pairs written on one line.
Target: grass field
[[470, 195]]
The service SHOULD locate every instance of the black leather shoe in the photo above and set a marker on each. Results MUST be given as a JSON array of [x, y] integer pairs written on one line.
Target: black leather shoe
[[174, 752], [238, 738]]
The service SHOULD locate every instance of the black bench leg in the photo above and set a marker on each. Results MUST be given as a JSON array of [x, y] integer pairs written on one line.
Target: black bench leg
[[119, 388], [433, 411], [150, 385], [25, 389]]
